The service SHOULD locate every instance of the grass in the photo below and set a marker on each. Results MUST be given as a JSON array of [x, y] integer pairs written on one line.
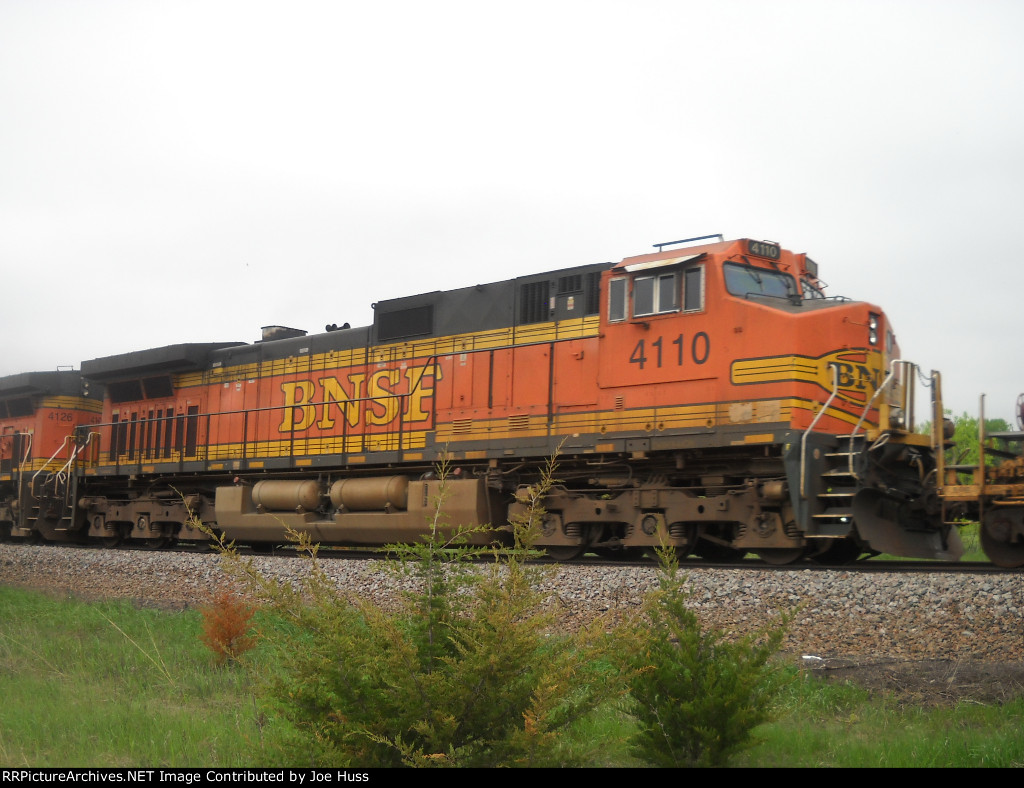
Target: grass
[[833, 724], [970, 536], [107, 684]]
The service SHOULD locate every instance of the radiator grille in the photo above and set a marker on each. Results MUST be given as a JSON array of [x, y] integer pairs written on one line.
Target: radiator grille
[[521, 422], [535, 305]]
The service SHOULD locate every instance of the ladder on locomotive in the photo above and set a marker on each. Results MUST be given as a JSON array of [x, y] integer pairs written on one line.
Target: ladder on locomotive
[[52, 486], [833, 512], [832, 507]]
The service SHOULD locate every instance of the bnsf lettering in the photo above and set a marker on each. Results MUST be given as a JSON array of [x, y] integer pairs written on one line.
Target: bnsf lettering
[[854, 376], [699, 349], [375, 399]]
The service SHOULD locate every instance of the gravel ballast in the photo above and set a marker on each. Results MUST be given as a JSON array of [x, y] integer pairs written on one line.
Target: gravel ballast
[[836, 613]]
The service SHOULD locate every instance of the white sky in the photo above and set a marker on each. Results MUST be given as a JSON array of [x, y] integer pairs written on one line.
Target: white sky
[[189, 171]]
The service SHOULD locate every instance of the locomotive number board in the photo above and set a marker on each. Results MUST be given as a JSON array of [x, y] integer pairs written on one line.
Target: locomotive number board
[[764, 249]]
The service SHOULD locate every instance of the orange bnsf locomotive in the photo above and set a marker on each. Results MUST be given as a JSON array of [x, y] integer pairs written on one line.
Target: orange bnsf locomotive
[[40, 413], [708, 397]]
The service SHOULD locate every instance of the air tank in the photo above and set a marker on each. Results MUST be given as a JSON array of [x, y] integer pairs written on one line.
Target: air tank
[[286, 496], [376, 493]]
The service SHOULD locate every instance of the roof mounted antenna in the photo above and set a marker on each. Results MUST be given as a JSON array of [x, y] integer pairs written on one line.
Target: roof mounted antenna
[[719, 236]]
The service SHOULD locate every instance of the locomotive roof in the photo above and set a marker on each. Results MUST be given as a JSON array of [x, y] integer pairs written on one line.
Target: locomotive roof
[[173, 358], [478, 307], [65, 382], [674, 256]]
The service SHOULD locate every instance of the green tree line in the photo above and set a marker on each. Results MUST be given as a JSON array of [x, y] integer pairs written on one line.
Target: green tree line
[[966, 438]]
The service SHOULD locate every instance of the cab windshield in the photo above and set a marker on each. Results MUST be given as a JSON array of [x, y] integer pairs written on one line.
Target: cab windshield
[[746, 280], [811, 290]]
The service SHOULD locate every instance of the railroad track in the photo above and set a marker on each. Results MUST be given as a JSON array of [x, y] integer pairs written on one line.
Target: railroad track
[[876, 609], [591, 560]]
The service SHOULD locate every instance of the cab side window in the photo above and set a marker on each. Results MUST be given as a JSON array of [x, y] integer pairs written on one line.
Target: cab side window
[[618, 293], [655, 295], [693, 289]]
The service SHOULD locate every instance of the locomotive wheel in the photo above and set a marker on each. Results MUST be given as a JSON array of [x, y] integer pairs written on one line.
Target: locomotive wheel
[[112, 541], [156, 543], [682, 553], [712, 551], [1001, 552], [838, 553], [562, 553], [621, 553], [780, 556]]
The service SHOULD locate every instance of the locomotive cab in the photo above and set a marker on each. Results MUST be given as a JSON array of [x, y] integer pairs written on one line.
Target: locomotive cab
[[40, 413], [742, 323], [739, 346]]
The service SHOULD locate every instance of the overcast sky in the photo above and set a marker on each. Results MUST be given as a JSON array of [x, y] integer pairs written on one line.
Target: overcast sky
[[181, 171]]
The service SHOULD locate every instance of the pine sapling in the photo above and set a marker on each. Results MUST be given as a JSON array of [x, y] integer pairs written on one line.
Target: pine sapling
[[227, 626]]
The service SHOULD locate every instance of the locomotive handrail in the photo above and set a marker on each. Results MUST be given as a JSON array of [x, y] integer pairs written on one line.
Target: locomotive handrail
[[21, 462], [32, 481], [981, 458], [719, 236], [400, 399], [62, 472], [396, 439], [867, 408], [179, 453], [937, 437], [807, 432], [25, 454], [79, 448]]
